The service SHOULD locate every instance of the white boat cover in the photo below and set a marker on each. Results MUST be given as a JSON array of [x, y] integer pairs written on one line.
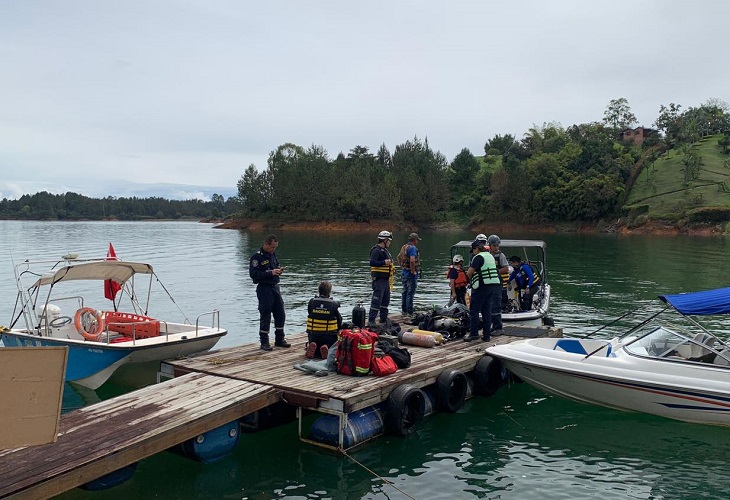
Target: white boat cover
[[103, 270]]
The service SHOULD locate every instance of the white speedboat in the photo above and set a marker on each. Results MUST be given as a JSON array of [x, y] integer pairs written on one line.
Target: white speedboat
[[106, 326], [534, 253], [655, 369]]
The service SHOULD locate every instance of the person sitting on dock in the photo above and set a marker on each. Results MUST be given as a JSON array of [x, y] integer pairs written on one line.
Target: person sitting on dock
[[323, 322], [382, 272], [526, 281], [457, 280], [265, 270]]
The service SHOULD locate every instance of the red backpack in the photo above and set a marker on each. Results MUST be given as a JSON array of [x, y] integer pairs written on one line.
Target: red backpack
[[355, 351]]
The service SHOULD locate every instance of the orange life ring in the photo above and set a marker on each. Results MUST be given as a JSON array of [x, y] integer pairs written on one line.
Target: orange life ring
[[96, 327]]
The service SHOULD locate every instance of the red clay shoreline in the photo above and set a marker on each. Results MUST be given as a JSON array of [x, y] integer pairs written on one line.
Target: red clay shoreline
[[651, 227]]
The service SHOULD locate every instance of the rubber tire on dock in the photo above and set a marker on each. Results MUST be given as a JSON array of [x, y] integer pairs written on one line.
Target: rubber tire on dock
[[451, 387], [487, 376], [405, 409]]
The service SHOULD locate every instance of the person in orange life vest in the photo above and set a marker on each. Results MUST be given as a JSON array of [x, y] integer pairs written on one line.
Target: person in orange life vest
[[323, 322], [410, 274], [526, 281], [458, 280]]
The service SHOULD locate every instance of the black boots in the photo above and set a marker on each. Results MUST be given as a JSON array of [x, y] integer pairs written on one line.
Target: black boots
[[281, 342]]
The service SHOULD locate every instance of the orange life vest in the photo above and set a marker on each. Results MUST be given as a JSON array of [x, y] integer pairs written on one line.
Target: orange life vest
[[461, 277]]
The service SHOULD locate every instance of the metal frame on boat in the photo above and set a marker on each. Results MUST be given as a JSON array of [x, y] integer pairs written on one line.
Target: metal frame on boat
[[652, 368], [534, 253], [54, 311]]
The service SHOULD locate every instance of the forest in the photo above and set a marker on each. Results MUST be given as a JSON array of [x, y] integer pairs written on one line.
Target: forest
[[72, 206], [581, 173], [584, 172]]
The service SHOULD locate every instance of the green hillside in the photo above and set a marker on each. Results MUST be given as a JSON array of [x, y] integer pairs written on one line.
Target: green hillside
[[692, 183]]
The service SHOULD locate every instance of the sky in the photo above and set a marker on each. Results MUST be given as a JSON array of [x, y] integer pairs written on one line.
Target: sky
[[177, 98]]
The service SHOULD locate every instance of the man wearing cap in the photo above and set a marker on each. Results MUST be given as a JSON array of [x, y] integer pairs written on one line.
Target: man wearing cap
[[503, 268], [485, 284], [409, 275]]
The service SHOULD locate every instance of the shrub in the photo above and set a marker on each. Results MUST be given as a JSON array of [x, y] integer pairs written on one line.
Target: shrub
[[710, 214]]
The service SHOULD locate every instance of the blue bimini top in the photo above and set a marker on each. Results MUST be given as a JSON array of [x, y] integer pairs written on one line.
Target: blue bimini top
[[700, 303]]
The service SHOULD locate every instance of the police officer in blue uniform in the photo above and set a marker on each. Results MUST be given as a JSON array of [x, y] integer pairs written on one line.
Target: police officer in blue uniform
[[265, 271]]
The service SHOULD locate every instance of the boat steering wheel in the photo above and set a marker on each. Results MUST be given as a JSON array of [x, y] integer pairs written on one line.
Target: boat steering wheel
[[61, 321]]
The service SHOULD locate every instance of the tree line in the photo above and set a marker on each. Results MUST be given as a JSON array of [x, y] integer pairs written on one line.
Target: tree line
[[72, 206], [552, 173]]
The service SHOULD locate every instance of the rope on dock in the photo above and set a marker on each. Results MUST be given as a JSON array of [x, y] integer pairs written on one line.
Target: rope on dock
[[375, 474]]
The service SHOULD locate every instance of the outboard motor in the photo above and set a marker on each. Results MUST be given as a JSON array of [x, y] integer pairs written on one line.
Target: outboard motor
[[358, 315]]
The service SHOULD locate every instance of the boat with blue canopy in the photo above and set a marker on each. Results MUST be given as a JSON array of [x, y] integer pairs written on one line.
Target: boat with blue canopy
[[681, 373]]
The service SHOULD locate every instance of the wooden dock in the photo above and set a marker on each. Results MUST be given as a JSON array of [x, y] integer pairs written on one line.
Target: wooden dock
[[340, 394], [211, 390], [99, 439]]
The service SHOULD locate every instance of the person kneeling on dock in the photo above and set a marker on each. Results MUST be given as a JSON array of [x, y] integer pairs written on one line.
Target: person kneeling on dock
[[323, 322]]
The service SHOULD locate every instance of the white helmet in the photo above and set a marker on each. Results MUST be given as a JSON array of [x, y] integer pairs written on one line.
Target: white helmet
[[458, 258], [494, 240], [481, 237], [385, 235]]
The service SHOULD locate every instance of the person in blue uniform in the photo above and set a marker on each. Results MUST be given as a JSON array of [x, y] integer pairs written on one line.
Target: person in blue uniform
[[265, 271], [323, 322], [526, 281]]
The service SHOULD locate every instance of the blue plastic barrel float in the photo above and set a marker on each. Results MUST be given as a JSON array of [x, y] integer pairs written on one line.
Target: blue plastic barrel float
[[112, 479], [211, 446]]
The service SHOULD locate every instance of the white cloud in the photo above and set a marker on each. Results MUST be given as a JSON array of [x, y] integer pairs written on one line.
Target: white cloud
[[99, 93]]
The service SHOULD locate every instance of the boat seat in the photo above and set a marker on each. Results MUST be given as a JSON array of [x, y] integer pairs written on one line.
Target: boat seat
[[719, 360], [692, 350]]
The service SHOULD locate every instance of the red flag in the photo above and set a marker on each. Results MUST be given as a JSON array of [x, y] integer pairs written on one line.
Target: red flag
[[111, 287]]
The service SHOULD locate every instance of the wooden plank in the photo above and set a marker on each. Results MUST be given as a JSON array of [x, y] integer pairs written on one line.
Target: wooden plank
[[101, 438], [276, 369]]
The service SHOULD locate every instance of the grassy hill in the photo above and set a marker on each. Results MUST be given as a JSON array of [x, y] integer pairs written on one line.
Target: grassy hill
[[665, 190]]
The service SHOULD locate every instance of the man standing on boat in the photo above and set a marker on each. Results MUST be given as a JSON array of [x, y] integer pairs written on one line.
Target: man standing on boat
[[526, 280], [265, 271], [382, 271], [485, 285]]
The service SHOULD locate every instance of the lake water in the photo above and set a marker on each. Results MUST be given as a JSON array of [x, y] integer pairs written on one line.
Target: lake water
[[517, 444]]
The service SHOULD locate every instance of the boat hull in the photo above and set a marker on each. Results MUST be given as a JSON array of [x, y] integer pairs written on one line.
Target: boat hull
[[90, 364], [622, 381]]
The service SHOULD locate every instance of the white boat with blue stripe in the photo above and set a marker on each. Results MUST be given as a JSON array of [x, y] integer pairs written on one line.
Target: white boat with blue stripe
[[653, 368], [62, 303]]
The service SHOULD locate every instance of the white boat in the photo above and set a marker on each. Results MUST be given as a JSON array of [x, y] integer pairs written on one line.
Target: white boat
[[66, 306], [653, 369], [534, 253]]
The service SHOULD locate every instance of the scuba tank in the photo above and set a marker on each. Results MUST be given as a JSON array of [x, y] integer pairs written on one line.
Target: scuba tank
[[437, 336], [358, 315], [411, 338]]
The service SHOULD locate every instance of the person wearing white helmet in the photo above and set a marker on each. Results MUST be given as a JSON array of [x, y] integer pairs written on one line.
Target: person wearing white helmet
[[457, 280], [503, 267], [382, 271]]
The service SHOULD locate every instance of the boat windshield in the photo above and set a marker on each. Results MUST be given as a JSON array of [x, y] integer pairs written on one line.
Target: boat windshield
[[664, 343]]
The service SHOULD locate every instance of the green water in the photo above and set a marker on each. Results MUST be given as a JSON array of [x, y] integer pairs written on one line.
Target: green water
[[517, 444]]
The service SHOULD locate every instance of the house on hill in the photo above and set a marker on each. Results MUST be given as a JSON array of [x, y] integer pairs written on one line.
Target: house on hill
[[638, 135]]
